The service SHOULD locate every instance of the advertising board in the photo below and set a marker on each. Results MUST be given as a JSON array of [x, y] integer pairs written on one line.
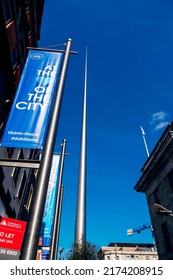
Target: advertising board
[[11, 237]]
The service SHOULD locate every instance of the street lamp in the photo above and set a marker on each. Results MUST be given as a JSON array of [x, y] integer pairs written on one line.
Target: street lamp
[[60, 252], [161, 210]]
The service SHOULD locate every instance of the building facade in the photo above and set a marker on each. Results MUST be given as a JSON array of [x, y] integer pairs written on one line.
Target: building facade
[[156, 182], [20, 23], [128, 251]]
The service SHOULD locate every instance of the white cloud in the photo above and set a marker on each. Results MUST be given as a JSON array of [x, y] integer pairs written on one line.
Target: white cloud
[[159, 120], [158, 116], [161, 125]]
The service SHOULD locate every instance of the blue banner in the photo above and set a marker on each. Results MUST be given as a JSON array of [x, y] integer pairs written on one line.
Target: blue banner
[[28, 120], [49, 209]]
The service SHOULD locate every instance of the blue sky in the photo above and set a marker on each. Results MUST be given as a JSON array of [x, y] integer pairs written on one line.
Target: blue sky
[[130, 84]]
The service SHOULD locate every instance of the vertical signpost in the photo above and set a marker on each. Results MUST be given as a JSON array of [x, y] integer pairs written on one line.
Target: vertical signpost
[[32, 233]]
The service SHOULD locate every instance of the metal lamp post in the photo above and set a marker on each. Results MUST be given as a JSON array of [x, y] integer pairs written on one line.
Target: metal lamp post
[[32, 233]]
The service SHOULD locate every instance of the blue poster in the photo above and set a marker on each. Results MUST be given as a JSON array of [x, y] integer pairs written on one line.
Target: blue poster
[[29, 117], [50, 204]]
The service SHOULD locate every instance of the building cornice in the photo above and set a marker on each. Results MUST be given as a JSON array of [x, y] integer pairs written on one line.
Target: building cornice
[[157, 159]]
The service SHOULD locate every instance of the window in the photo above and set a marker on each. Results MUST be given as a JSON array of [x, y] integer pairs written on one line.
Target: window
[[170, 178], [7, 10], [16, 170], [13, 213], [27, 206], [14, 57], [146, 249], [11, 34], [1, 175], [9, 151], [22, 46], [15, 174], [8, 196], [29, 27], [21, 186]]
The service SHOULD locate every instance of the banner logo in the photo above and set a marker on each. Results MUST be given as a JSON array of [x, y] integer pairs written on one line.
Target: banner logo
[[36, 56]]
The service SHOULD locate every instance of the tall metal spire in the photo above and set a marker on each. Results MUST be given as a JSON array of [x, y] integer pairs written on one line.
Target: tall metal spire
[[80, 229], [145, 143]]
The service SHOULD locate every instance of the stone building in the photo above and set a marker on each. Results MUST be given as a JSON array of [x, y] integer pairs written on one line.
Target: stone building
[[128, 251], [156, 182]]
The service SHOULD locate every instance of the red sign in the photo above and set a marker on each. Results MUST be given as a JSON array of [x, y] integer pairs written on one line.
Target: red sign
[[11, 233]]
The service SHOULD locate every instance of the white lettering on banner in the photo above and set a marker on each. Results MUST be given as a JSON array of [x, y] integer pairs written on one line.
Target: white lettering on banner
[[22, 133], [30, 106], [48, 71], [23, 139], [15, 132], [41, 96]]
